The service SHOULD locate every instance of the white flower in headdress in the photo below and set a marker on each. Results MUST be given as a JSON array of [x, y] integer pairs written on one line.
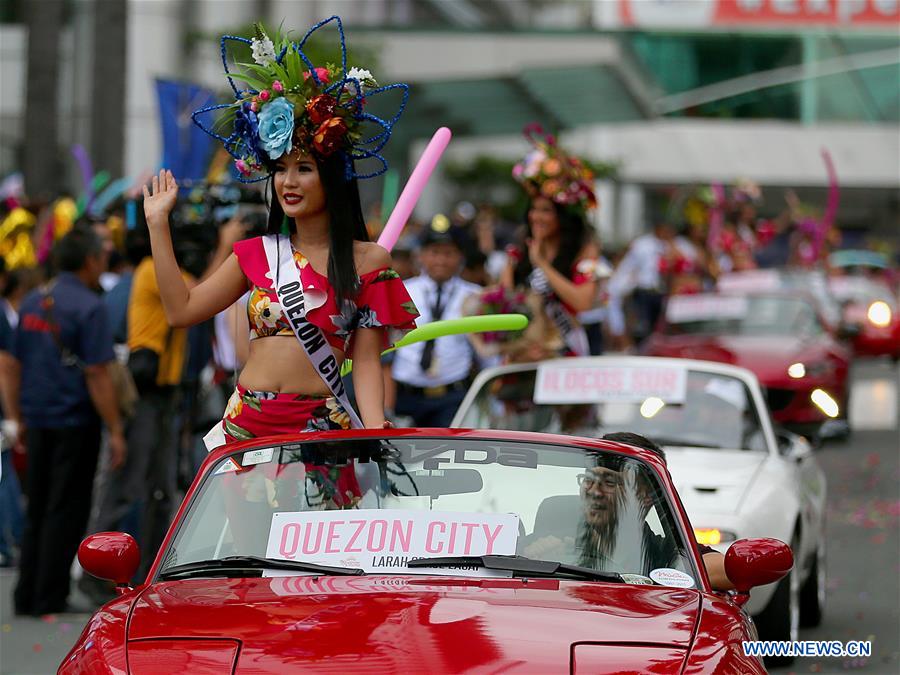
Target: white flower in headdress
[[533, 163], [364, 76], [263, 50]]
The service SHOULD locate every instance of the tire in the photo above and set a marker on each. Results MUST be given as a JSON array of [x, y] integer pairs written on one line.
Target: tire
[[812, 593], [780, 620]]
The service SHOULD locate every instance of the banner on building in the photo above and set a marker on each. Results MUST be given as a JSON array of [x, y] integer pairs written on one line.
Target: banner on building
[[749, 14]]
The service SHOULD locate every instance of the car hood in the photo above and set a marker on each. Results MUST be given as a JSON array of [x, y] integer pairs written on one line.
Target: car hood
[[417, 624], [768, 356], [712, 482]]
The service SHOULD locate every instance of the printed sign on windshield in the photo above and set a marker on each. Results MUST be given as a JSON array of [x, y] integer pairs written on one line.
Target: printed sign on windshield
[[687, 308], [563, 383], [385, 541], [750, 280]]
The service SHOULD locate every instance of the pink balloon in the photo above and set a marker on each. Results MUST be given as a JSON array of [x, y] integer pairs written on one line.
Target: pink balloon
[[413, 189]]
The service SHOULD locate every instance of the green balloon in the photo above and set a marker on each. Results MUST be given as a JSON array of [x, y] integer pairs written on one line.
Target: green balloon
[[98, 183], [468, 324]]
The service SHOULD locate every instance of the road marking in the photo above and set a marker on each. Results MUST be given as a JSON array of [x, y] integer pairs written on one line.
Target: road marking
[[873, 404]]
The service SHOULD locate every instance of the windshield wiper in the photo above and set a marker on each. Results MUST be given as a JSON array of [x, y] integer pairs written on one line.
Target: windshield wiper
[[519, 566], [250, 562], [684, 443]]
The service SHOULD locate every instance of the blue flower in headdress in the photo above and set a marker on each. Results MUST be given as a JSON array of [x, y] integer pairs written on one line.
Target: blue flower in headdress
[[276, 127], [246, 126]]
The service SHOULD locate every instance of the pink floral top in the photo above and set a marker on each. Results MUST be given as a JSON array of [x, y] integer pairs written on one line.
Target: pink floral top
[[382, 300]]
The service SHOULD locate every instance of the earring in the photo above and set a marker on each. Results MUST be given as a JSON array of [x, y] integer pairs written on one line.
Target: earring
[[285, 227]]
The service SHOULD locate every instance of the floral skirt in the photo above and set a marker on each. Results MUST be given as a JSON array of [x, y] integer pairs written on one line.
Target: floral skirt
[[254, 414]]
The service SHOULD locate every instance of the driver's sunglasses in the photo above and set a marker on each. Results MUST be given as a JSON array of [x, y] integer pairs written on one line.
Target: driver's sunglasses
[[589, 482]]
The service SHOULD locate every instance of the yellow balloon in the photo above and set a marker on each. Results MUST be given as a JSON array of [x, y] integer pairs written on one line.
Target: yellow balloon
[[18, 218], [64, 213], [18, 251]]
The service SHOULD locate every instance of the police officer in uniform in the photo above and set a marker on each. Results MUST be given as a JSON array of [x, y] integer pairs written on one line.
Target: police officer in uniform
[[432, 377]]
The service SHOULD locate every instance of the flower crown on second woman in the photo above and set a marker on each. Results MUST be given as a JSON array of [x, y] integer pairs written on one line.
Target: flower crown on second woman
[[549, 171], [291, 104]]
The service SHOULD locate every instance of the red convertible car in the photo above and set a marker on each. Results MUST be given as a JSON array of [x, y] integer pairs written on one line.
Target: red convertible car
[[425, 551], [779, 336]]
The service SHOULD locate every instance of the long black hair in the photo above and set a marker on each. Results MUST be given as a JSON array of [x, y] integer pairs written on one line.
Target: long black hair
[[346, 223], [574, 234]]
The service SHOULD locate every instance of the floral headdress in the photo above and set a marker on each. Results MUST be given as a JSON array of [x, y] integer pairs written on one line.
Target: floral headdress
[[549, 172], [746, 191], [290, 102]]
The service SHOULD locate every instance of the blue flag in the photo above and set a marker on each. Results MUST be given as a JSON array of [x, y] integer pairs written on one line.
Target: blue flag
[[187, 149]]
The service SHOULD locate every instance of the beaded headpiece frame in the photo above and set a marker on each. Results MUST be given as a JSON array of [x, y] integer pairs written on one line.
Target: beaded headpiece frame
[[292, 104]]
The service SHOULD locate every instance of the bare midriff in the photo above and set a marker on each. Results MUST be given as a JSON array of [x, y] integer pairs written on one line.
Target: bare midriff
[[278, 363]]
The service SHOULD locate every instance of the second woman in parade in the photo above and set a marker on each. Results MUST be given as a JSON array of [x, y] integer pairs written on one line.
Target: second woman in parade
[[560, 257]]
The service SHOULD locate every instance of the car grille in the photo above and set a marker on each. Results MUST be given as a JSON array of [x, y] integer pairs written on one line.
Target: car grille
[[779, 399]]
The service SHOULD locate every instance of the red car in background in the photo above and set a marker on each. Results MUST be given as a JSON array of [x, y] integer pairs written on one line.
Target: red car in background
[[425, 550], [779, 336], [870, 304]]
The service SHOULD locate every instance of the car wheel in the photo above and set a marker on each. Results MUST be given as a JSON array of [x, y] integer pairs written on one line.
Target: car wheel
[[812, 594], [780, 620]]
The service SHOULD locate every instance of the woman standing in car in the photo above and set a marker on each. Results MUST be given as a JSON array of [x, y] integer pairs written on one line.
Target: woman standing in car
[[315, 279], [560, 257]]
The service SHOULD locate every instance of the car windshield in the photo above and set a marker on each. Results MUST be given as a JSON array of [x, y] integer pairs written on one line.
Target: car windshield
[[377, 504], [740, 315], [707, 410], [857, 289], [811, 283]]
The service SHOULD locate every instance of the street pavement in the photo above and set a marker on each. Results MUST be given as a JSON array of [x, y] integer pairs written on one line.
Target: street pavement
[[863, 530], [863, 549]]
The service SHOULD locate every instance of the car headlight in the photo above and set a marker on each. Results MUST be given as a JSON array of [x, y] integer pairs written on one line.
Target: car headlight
[[711, 536], [879, 314], [825, 403], [800, 370]]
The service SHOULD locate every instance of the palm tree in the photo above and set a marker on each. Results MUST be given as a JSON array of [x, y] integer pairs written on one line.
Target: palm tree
[[41, 161], [108, 94]]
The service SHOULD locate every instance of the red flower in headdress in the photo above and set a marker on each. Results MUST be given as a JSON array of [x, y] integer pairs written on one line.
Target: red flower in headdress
[[329, 136], [321, 108], [321, 73]]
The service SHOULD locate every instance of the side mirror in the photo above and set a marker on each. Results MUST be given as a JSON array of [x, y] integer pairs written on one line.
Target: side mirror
[[756, 562], [849, 331], [110, 555], [792, 446]]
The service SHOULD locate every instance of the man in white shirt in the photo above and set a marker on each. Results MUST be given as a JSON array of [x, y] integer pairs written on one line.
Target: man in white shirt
[[638, 275], [432, 377]]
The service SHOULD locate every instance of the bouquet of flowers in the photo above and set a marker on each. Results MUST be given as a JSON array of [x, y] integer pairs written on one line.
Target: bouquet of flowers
[[539, 340], [501, 301]]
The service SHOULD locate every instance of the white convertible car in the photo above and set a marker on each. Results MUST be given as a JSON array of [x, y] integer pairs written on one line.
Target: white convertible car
[[736, 474]]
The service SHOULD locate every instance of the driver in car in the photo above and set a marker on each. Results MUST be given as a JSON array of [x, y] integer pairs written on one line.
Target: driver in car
[[614, 532], [713, 561]]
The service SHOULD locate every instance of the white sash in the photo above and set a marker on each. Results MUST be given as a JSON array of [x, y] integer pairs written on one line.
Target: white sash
[[573, 334], [290, 296], [289, 289]]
